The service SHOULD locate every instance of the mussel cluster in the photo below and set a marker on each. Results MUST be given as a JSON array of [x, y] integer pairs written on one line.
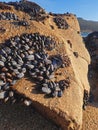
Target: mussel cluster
[[3, 6], [23, 23], [8, 16], [34, 10], [61, 22], [28, 54], [55, 89]]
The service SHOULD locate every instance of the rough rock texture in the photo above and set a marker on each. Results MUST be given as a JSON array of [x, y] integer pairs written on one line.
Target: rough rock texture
[[90, 118], [91, 42], [67, 110]]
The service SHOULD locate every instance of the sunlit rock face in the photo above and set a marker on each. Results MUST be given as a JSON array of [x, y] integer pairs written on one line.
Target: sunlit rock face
[[44, 63]]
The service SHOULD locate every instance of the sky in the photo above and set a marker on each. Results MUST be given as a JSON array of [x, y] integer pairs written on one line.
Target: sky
[[87, 9]]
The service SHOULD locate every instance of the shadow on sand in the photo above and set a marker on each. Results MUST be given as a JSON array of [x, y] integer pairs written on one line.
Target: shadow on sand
[[20, 117]]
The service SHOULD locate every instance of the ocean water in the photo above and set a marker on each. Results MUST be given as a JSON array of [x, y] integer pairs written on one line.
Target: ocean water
[[84, 34]]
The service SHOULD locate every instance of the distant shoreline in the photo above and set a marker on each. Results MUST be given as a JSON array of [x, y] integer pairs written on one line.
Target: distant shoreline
[[85, 34]]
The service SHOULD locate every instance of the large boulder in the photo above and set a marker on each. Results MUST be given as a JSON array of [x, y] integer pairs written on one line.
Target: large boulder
[[91, 43], [67, 110]]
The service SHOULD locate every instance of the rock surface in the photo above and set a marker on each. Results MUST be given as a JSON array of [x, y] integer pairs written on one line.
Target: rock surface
[[67, 110], [90, 117], [91, 43]]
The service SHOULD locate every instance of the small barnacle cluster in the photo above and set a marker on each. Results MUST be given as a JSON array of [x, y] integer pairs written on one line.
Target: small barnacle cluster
[[28, 54], [61, 22]]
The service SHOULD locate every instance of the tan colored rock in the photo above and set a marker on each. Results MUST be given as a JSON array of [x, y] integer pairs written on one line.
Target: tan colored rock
[[67, 110]]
